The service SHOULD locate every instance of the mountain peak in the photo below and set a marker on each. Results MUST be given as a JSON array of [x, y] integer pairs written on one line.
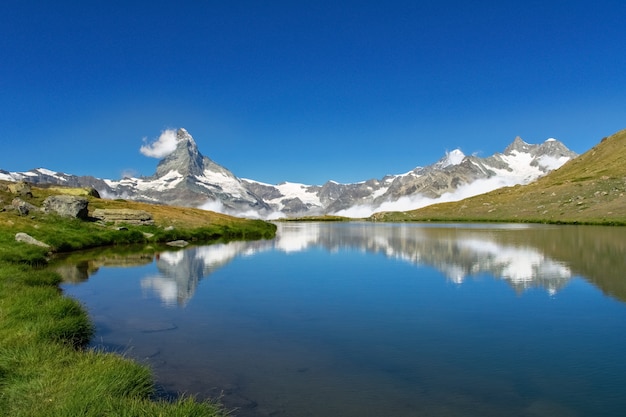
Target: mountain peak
[[186, 158], [554, 148], [518, 145], [183, 135]]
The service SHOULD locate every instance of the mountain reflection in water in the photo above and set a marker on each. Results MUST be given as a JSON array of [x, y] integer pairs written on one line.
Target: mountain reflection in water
[[525, 256], [363, 319]]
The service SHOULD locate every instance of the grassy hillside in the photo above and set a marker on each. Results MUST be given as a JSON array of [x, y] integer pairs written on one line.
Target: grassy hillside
[[45, 369], [589, 189], [171, 223]]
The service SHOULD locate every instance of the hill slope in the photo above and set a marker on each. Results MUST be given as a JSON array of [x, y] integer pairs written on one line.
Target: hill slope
[[170, 222], [587, 189]]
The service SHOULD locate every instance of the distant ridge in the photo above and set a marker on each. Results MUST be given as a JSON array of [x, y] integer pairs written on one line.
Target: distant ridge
[[185, 177], [589, 189]]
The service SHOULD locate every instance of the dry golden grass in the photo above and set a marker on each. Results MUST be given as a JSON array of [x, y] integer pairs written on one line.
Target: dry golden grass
[[180, 217], [183, 217]]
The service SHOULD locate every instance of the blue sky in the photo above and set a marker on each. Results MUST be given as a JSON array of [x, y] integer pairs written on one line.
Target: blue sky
[[304, 91]]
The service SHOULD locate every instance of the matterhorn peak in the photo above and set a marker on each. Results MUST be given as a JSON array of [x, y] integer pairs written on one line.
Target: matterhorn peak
[[186, 159], [183, 135]]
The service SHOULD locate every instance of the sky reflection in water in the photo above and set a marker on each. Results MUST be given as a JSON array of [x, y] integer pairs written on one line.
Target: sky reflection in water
[[366, 319]]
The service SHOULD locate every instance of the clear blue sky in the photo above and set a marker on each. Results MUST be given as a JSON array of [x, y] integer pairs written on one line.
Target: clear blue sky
[[304, 91]]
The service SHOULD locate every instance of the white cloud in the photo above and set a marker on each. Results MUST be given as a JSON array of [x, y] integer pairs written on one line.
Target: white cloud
[[129, 173], [214, 205], [163, 146], [416, 201], [218, 207]]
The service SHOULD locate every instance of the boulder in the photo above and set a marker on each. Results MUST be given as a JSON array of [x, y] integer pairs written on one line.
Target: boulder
[[22, 207], [21, 188], [127, 216], [67, 206], [92, 192], [178, 243], [26, 238]]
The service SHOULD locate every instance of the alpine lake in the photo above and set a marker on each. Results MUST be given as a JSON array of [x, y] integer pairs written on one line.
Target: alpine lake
[[374, 319]]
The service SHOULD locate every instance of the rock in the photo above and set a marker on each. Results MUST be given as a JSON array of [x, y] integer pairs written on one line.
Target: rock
[[127, 216], [21, 188], [67, 206], [26, 238], [92, 192], [178, 243], [22, 207]]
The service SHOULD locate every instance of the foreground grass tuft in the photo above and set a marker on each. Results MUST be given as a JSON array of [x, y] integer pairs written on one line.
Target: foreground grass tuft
[[45, 368]]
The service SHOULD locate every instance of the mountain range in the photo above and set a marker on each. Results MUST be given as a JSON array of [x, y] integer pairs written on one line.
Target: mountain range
[[185, 177], [590, 189]]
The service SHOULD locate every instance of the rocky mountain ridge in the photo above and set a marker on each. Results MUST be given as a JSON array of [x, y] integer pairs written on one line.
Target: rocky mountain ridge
[[185, 177]]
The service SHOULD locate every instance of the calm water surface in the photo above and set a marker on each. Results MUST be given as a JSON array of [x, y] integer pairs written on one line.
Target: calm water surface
[[362, 319]]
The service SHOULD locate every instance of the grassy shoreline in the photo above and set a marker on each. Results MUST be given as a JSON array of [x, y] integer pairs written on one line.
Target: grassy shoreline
[[45, 367]]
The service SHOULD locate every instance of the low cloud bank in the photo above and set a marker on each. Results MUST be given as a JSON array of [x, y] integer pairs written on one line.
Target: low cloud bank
[[416, 201], [218, 207], [163, 146]]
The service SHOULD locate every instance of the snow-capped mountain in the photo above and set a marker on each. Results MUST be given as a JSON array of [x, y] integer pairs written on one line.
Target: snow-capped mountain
[[184, 177], [187, 178], [454, 177]]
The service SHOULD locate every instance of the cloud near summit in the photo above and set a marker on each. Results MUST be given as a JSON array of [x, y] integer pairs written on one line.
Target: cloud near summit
[[163, 146]]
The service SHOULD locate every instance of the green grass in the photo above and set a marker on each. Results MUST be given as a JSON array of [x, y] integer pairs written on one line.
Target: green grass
[[45, 370], [45, 367]]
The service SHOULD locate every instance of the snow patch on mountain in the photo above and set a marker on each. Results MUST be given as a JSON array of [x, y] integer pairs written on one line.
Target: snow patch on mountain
[[166, 182], [51, 173], [519, 168], [225, 183], [301, 191]]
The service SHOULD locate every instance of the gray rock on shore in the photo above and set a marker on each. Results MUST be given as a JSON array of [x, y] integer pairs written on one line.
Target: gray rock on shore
[[67, 206], [128, 216], [26, 238]]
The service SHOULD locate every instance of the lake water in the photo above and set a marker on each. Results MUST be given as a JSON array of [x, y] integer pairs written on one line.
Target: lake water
[[366, 319]]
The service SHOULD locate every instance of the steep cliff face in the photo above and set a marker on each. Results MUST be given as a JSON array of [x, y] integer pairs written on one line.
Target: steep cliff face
[[186, 159]]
